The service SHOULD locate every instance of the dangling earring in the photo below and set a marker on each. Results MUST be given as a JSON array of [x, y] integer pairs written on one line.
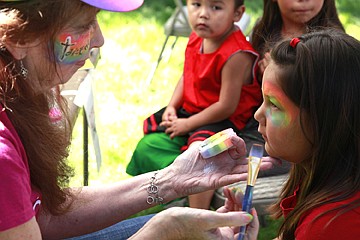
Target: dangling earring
[[23, 70]]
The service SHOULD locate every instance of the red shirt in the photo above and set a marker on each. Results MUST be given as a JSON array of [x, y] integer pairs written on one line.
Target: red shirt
[[202, 78], [326, 227], [18, 201]]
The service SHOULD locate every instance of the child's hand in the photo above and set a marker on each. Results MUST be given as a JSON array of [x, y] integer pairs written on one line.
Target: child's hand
[[168, 115], [233, 202], [177, 127]]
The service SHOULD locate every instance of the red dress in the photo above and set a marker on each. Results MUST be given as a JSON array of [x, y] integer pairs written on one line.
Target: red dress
[[313, 225]]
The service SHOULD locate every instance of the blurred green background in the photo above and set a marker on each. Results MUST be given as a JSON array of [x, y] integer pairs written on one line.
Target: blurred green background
[[123, 99]]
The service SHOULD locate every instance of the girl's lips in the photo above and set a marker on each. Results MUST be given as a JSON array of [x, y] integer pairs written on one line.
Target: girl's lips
[[302, 10]]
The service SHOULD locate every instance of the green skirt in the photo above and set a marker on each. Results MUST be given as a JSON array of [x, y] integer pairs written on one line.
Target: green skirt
[[163, 152]]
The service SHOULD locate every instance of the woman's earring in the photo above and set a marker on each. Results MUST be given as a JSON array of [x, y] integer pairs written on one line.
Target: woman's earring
[[23, 70]]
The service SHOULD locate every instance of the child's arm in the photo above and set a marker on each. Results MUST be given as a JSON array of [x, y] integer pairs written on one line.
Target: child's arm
[[236, 72]]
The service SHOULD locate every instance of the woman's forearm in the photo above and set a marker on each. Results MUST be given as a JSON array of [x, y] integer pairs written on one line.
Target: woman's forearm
[[98, 207]]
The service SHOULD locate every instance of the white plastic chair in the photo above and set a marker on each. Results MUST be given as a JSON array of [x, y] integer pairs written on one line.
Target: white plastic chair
[[178, 26]]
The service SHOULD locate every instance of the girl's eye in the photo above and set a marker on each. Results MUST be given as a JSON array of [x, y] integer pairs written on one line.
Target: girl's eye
[[273, 104]]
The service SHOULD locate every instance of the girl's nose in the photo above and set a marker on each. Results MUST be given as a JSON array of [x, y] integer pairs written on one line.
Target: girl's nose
[[259, 115]]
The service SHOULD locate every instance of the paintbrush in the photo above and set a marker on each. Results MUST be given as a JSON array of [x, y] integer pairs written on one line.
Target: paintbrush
[[256, 153]]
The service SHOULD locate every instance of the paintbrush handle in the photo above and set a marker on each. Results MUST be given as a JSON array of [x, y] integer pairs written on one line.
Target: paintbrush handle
[[246, 206]]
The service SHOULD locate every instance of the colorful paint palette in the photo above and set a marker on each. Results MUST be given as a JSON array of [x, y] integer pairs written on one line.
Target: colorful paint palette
[[217, 143]]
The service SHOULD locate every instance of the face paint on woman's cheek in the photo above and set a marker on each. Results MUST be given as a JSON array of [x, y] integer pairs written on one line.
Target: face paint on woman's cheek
[[70, 48]]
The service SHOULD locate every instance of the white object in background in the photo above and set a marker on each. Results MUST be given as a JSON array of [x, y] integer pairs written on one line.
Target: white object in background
[[85, 98]]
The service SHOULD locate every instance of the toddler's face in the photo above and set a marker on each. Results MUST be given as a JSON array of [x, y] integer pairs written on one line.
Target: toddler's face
[[212, 19]]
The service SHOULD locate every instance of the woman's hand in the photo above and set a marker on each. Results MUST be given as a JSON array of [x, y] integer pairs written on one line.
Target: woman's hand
[[193, 174], [192, 223]]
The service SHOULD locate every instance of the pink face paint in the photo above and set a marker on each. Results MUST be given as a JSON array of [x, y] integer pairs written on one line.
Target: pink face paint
[[70, 48], [217, 143], [280, 110]]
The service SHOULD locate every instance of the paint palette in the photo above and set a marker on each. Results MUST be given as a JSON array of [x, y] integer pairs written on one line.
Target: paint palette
[[217, 143]]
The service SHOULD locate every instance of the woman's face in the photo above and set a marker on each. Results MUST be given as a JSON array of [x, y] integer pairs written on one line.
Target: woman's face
[[71, 49], [279, 121]]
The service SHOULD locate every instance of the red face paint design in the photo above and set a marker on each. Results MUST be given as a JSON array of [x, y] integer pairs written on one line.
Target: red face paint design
[[70, 48]]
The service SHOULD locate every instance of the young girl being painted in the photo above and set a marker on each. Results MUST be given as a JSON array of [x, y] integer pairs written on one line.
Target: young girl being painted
[[310, 117], [284, 19], [218, 90]]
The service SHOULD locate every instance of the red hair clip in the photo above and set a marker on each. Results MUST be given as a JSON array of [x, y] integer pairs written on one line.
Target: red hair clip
[[294, 42]]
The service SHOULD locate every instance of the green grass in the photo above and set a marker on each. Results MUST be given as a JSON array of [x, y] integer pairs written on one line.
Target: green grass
[[122, 98]]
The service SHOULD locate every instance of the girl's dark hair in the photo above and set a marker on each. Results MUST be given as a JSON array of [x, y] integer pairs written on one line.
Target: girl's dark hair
[[238, 3], [46, 144], [268, 29], [321, 76]]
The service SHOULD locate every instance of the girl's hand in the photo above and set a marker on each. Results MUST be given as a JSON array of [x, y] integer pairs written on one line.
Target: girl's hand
[[233, 202]]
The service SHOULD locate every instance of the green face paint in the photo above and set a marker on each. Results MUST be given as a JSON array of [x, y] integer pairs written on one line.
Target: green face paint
[[275, 112], [70, 48]]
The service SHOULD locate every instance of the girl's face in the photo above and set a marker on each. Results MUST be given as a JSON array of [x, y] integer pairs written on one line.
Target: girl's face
[[299, 11], [279, 121], [212, 19]]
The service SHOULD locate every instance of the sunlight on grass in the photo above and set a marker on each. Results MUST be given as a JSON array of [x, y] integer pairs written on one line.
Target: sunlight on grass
[[122, 98]]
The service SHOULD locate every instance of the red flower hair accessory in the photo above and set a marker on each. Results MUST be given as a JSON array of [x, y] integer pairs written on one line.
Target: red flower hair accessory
[[294, 42]]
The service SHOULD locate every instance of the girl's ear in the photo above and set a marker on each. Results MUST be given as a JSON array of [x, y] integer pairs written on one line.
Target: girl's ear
[[238, 13], [17, 51]]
